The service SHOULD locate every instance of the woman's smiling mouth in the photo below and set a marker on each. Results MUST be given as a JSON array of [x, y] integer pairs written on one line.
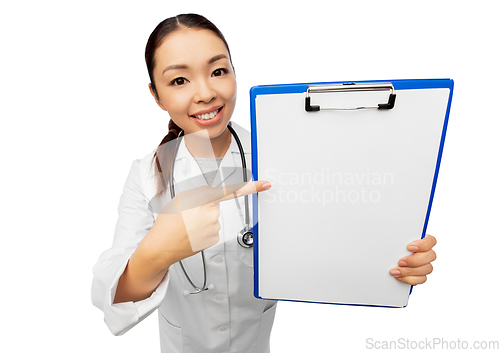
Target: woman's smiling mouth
[[208, 116]]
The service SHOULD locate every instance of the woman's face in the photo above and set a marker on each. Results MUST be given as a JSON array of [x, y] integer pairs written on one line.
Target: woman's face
[[195, 81]]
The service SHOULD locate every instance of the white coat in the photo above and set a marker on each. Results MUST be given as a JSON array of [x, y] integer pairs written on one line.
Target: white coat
[[227, 318]]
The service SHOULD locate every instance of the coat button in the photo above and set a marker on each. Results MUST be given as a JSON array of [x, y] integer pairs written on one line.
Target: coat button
[[223, 328], [218, 259], [220, 297]]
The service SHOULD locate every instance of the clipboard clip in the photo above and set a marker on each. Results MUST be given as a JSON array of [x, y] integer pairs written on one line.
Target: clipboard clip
[[351, 87]]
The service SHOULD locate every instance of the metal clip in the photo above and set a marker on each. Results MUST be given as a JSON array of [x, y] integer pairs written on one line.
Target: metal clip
[[351, 87]]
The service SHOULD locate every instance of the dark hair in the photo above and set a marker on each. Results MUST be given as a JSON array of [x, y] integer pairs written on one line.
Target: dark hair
[[164, 156]]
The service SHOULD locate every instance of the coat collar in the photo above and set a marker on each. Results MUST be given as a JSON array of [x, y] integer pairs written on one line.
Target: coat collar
[[188, 175]]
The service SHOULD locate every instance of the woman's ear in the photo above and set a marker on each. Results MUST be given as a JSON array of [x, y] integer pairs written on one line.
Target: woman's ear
[[155, 96]]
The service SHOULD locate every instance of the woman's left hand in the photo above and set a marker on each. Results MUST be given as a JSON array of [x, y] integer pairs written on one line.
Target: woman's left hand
[[414, 268]]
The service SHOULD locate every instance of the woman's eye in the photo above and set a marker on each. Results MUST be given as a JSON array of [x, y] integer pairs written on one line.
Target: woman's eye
[[179, 81], [219, 72]]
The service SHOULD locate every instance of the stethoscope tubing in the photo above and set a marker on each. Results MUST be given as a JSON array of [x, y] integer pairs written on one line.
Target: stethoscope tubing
[[172, 194]]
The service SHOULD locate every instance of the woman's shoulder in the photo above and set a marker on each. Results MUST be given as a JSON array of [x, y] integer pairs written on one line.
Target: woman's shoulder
[[145, 162], [143, 169]]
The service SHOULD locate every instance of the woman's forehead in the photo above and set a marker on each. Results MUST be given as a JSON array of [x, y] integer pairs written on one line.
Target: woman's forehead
[[189, 46]]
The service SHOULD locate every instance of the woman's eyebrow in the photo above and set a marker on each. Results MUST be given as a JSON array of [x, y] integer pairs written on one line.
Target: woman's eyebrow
[[175, 67], [217, 57], [184, 67]]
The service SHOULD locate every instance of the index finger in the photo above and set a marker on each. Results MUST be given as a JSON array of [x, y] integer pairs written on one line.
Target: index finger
[[203, 195], [241, 189], [228, 192]]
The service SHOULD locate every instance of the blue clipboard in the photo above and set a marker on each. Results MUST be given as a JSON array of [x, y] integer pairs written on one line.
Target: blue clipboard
[[354, 167]]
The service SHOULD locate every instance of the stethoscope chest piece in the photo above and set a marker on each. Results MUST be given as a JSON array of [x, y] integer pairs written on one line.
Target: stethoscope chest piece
[[245, 238]]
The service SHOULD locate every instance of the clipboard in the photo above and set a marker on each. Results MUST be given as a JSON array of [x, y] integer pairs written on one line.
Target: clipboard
[[353, 168]]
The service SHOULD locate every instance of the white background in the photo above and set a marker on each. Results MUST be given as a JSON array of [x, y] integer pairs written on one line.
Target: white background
[[76, 111]]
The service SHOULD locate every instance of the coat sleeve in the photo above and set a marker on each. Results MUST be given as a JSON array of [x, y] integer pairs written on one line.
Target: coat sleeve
[[135, 219]]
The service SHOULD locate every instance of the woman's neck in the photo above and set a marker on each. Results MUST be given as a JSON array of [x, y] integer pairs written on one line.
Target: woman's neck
[[200, 147]]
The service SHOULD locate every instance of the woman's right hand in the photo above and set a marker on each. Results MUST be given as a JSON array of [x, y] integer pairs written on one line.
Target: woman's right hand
[[189, 223], [186, 225]]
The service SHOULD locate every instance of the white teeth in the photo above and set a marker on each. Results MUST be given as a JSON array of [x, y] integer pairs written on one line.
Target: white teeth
[[207, 116]]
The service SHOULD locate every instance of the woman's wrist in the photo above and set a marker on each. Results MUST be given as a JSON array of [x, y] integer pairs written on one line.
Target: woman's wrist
[[152, 255]]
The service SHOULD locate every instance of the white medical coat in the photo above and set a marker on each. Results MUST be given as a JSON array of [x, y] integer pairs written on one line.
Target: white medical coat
[[227, 318]]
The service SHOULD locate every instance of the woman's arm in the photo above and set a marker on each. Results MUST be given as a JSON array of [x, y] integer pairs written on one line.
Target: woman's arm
[[143, 273], [135, 221], [168, 242], [187, 224]]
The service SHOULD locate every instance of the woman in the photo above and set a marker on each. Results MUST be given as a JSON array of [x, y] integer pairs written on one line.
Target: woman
[[192, 78]]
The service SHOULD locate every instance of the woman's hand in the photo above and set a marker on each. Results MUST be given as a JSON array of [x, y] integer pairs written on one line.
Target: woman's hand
[[189, 223], [186, 225], [413, 269]]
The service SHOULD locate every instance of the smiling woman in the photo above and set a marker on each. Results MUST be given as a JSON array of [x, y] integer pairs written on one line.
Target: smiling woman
[[191, 87], [198, 91], [192, 78]]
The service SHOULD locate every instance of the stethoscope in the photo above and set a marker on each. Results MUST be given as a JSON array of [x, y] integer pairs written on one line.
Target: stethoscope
[[245, 236]]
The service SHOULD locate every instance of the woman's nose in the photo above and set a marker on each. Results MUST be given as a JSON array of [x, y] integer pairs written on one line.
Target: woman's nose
[[204, 92]]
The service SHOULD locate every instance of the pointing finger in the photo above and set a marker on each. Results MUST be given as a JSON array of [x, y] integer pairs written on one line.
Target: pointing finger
[[242, 189], [205, 195]]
